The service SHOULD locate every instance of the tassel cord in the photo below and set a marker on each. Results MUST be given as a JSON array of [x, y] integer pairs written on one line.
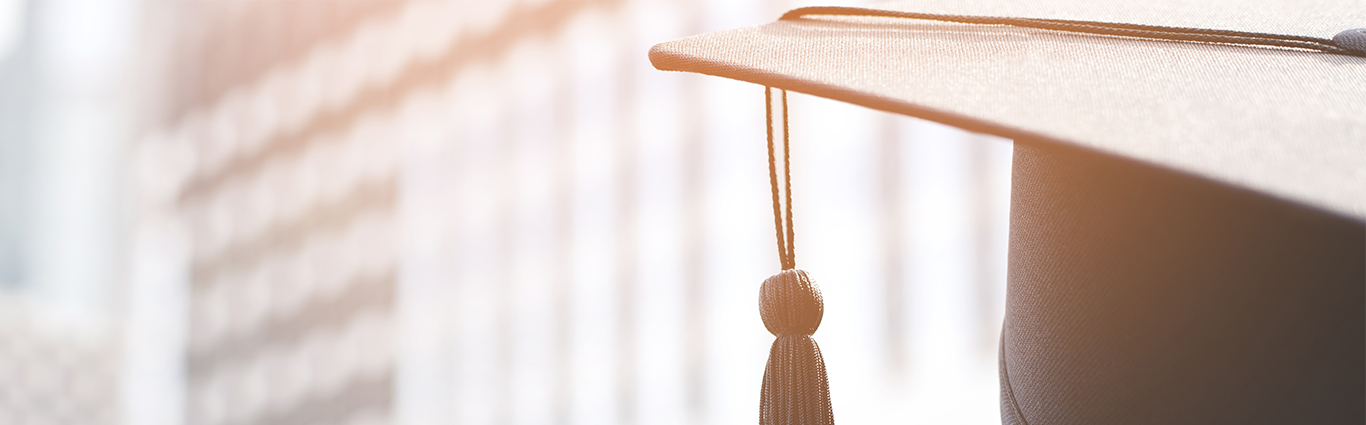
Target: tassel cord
[[787, 257], [1151, 32], [787, 188]]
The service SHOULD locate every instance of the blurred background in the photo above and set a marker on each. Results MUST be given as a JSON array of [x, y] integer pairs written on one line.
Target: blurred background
[[460, 212]]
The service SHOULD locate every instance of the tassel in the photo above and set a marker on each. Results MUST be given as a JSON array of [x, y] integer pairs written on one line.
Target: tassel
[[795, 390]]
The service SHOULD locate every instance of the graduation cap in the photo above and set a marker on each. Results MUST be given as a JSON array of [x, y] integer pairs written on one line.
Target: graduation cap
[[1187, 238]]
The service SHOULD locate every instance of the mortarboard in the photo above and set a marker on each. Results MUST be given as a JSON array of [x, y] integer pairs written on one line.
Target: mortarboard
[[1188, 187]]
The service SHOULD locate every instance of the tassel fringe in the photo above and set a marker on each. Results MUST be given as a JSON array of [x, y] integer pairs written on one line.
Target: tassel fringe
[[795, 390]]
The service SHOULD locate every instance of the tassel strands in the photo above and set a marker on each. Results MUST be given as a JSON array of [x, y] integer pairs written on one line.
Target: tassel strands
[[795, 390]]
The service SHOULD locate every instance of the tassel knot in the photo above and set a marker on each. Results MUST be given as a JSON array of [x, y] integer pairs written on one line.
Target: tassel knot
[[791, 304]]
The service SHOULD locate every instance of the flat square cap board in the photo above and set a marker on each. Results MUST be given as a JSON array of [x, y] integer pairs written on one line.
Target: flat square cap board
[[1187, 239], [1288, 123]]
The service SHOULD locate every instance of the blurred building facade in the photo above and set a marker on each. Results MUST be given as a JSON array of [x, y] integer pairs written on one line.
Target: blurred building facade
[[60, 359], [422, 212], [52, 376], [287, 199]]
